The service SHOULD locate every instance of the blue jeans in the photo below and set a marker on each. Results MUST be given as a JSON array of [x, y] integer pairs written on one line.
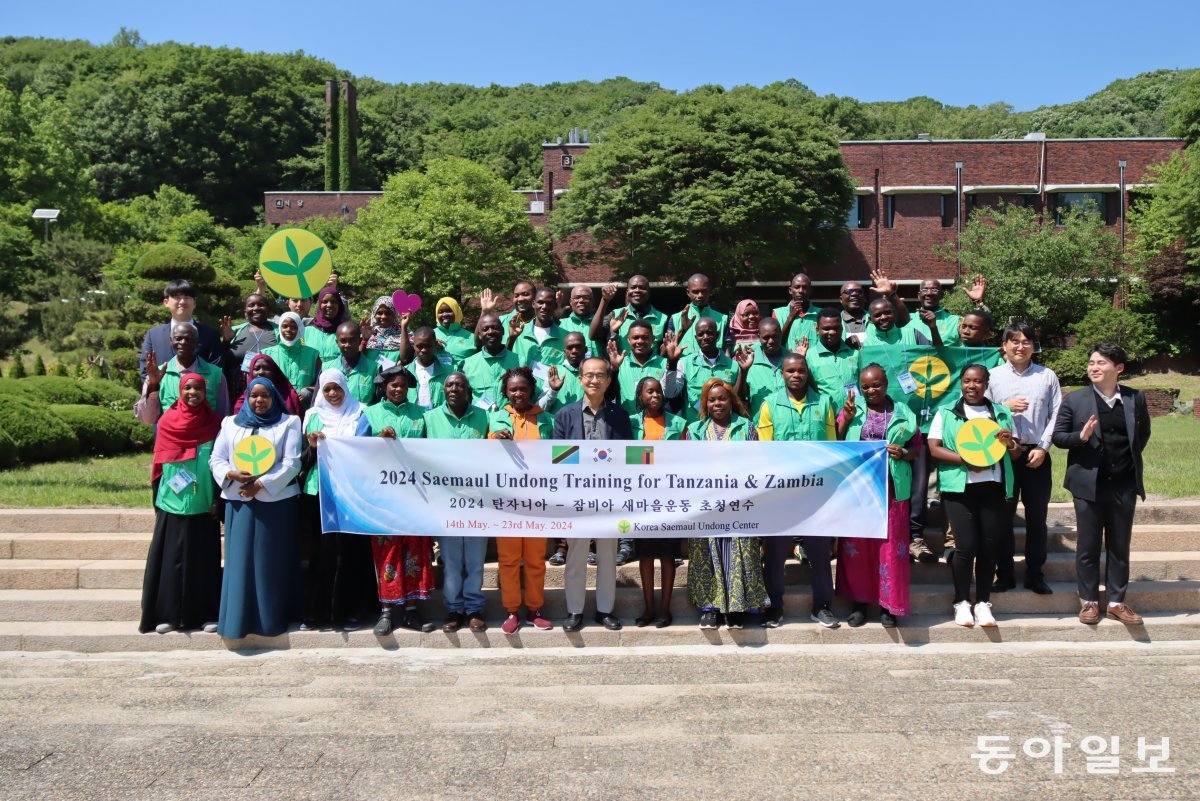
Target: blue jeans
[[462, 563]]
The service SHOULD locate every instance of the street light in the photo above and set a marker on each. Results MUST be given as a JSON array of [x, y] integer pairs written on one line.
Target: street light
[[48, 216]]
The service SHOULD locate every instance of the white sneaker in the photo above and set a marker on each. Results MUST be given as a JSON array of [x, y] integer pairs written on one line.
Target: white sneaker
[[210, 628], [962, 614], [983, 614], [164, 628]]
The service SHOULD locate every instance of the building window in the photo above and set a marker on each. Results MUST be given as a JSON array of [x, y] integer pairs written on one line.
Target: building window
[[859, 212], [889, 211], [949, 210], [1094, 202]]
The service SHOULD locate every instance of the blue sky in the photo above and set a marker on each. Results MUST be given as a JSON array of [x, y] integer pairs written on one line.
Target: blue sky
[[1025, 53]]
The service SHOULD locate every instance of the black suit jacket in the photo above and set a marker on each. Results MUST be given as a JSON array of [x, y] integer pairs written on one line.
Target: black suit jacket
[[568, 422], [1084, 458]]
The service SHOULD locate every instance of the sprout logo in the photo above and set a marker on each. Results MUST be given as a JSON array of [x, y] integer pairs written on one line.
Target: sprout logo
[[624, 527], [288, 272], [931, 375]]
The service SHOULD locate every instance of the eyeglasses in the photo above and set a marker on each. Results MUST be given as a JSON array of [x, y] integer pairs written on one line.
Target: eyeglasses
[[593, 376]]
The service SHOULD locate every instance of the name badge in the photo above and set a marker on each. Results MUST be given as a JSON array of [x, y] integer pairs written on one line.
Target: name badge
[[445, 358], [181, 481], [540, 371], [906, 382], [249, 357], [851, 387], [485, 402]]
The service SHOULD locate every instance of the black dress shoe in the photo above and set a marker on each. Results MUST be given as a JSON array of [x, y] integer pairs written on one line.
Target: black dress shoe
[[1003, 586], [573, 623], [609, 621], [1039, 586]]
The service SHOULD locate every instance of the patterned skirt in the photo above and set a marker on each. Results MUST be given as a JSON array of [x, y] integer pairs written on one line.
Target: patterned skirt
[[725, 574], [403, 568]]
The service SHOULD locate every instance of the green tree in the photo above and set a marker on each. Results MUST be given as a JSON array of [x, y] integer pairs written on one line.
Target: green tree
[[733, 184], [1049, 276], [1137, 334], [452, 229]]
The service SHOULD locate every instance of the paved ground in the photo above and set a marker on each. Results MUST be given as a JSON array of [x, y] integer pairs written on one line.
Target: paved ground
[[690, 722]]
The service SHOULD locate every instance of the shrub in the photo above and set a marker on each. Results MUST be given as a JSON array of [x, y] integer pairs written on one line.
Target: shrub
[[1136, 333], [11, 386], [172, 260], [39, 365], [59, 369], [52, 389], [141, 436], [8, 451], [111, 393], [117, 339], [18, 368], [39, 434], [99, 431]]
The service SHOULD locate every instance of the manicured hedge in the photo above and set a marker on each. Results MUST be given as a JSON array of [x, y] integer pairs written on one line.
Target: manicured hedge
[[39, 434], [100, 431], [8, 451], [92, 391]]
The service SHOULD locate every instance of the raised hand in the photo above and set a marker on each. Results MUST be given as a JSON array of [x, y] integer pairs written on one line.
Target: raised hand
[[556, 379], [364, 325], [929, 318], [487, 301], [685, 319], [560, 298], [154, 373], [1089, 428], [616, 322], [615, 357], [802, 346], [977, 288], [671, 346], [882, 284], [609, 291], [744, 356], [404, 320], [261, 283], [515, 326], [848, 408], [226, 326], [333, 279]]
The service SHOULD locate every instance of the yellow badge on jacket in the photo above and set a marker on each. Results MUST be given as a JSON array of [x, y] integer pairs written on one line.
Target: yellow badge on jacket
[[255, 455], [977, 444]]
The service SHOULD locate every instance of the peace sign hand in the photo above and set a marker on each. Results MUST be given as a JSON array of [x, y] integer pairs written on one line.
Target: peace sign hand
[[848, 408]]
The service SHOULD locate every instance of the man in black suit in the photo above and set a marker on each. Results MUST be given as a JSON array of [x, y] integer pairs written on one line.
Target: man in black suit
[[593, 418], [1104, 428], [179, 296]]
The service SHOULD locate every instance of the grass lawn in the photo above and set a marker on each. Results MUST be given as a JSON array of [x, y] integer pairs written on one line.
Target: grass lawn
[[1172, 460], [111, 481], [1187, 384]]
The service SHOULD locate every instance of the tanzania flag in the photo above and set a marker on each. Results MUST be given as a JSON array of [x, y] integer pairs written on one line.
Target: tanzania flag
[[564, 454], [935, 373], [639, 454]]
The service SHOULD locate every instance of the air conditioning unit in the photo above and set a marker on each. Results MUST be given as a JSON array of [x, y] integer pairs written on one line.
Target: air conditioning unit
[[537, 207]]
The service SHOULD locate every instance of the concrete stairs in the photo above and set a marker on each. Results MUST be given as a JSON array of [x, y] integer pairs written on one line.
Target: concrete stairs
[[70, 580]]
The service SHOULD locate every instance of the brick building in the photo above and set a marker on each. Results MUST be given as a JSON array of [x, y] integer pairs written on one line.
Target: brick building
[[911, 196]]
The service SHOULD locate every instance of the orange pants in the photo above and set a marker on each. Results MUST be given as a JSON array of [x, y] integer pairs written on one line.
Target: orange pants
[[514, 551]]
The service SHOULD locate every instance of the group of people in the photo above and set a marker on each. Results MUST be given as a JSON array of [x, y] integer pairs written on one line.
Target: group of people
[[574, 367]]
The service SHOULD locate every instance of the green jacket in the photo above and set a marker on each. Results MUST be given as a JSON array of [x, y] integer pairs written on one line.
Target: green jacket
[[805, 326], [689, 339], [484, 371], [631, 373], [501, 420], [894, 336], [573, 323], [407, 419], [437, 383], [656, 319], [697, 372], [325, 344], [311, 480], [440, 423], [360, 379], [810, 423], [739, 428], [947, 325], [550, 350], [458, 342], [953, 477], [298, 363], [168, 388], [675, 426], [763, 378], [833, 370], [900, 429], [197, 497]]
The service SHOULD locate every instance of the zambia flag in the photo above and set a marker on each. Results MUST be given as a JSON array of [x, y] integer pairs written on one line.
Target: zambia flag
[[639, 454], [935, 373]]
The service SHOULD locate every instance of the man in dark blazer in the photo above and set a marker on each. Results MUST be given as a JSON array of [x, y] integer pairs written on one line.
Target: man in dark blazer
[[593, 418], [179, 296], [1104, 428]]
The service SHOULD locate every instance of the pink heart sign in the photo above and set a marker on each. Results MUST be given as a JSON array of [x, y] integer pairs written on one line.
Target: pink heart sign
[[405, 303]]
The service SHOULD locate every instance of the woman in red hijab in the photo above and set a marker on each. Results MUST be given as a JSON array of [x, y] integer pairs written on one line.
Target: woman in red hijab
[[182, 585], [263, 366]]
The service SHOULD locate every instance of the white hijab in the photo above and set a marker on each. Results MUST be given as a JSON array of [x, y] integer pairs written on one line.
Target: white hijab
[[295, 318], [337, 421]]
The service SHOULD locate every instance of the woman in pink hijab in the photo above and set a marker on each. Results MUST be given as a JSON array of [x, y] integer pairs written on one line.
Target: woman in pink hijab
[[744, 322]]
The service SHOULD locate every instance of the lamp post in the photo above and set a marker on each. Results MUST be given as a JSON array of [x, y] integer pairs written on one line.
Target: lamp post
[[47, 216], [958, 207], [1121, 163]]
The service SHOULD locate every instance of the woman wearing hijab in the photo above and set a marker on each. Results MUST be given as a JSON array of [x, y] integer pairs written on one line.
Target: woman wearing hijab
[[744, 322], [263, 366], [259, 591], [403, 563], [182, 584], [384, 331], [300, 363], [337, 579], [322, 334], [454, 339]]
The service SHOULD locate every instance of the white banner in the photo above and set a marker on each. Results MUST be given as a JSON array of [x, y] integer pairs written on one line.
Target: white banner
[[501, 488]]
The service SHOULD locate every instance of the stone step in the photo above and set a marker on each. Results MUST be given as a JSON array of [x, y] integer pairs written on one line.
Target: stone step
[[124, 604], [69, 574], [122, 636], [141, 521], [1146, 537], [79, 545]]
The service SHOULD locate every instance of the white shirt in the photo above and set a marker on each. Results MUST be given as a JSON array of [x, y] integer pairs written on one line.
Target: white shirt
[[973, 477], [277, 482]]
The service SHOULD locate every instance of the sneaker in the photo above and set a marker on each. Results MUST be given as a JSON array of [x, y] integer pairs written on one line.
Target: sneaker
[[708, 621], [540, 623], [735, 621], [771, 619], [384, 627], [209, 628], [825, 617], [591, 557], [308, 625], [983, 614], [918, 550], [624, 556], [511, 623], [962, 614], [163, 628], [558, 559]]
